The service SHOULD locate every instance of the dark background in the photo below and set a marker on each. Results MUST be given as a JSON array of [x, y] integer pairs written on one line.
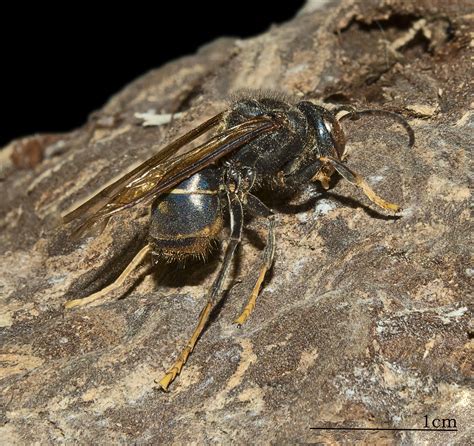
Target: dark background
[[58, 66]]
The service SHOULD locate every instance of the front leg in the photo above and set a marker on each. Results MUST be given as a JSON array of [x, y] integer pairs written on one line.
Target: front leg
[[322, 169], [357, 180]]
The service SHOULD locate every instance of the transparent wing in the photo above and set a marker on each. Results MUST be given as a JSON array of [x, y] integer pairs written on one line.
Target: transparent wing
[[91, 206], [161, 172]]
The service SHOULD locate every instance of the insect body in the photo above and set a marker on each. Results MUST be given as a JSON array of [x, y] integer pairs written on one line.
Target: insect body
[[259, 143]]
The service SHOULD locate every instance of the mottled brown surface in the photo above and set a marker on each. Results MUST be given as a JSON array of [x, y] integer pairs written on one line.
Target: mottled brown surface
[[365, 320]]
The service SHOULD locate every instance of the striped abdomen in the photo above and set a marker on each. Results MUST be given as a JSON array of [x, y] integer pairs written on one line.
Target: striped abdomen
[[185, 221]]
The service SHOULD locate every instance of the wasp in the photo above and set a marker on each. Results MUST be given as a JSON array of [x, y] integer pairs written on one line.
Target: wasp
[[258, 143]]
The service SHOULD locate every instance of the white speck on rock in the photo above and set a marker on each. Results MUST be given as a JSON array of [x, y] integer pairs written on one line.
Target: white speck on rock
[[406, 212], [151, 118], [302, 217], [297, 68], [324, 207], [374, 179], [456, 313], [349, 393], [57, 279]]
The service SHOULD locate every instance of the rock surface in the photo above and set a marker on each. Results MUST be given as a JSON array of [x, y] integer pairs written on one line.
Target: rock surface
[[365, 319]]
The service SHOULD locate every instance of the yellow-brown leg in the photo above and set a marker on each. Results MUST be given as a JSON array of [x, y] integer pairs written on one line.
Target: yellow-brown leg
[[360, 182], [267, 262], [102, 294], [175, 369]]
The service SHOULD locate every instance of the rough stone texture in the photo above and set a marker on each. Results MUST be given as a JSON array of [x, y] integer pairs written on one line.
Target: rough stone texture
[[365, 320]]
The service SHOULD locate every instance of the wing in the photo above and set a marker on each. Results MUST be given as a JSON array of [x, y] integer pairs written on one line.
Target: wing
[[161, 172], [99, 200]]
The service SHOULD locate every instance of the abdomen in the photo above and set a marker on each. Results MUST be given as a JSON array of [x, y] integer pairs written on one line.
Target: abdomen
[[186, 221]]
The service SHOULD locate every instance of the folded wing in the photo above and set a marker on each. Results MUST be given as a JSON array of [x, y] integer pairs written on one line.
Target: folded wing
[[163, 171]]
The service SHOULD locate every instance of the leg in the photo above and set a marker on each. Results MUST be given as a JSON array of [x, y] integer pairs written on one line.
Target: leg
[[316, 171], [256, 207], [236, 224], [359, 181], [114, 285], [295, 180]]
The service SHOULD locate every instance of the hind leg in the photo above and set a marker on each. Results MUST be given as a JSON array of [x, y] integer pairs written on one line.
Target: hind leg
[[104, 293]]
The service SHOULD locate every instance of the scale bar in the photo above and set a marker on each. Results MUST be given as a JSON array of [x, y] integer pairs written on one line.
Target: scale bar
[[383, 429]]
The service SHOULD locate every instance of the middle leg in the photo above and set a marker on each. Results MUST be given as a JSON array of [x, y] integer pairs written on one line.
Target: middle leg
[[257, 208]]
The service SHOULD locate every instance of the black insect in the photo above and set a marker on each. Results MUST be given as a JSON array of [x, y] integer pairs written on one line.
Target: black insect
[[258, 143]]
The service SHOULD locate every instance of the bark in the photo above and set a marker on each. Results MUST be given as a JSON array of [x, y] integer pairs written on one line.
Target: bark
[[365, 319]]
